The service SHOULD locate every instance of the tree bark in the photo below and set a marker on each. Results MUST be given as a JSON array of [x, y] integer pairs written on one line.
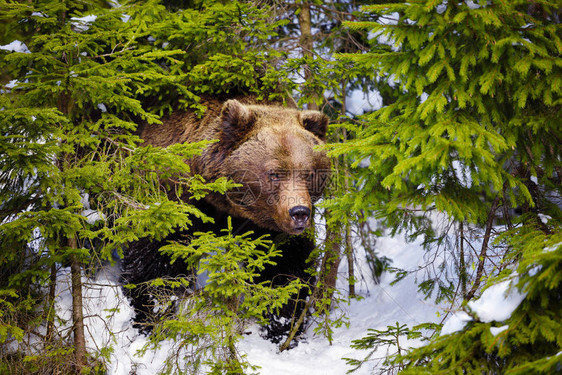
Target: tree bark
[[307, 47], [484, 249], [463, 276], [77, 309], [332, 258], [51, 303], [348, 239], [349, 255]]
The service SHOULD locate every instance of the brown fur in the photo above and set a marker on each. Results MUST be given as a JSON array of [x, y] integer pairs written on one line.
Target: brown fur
[[268, 149]]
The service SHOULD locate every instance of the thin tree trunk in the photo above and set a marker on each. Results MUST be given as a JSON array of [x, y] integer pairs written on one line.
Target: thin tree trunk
[[77, 309], [51, 304], [325, 284], [332, 259], [484, 249], [462, 264], [348, 242], [349, 255], [307, 47], [65, 105]]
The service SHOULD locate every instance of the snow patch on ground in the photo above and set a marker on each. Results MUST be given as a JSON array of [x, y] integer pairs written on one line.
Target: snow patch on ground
[[382, 305]]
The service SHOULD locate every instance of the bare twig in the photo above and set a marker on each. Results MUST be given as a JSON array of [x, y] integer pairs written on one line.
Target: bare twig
[[482, 256]]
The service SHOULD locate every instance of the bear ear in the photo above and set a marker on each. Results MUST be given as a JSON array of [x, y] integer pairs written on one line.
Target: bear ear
[[316, 123], [236, 121]]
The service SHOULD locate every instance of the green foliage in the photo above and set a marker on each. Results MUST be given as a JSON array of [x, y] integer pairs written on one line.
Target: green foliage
[[472, 137], [394, 339], [457, 129], [531, 341], [70, 107], [229, 49], [213, 319]]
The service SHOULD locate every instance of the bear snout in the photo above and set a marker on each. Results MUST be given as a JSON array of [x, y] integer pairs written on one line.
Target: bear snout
[[300, 216], [292, 209]]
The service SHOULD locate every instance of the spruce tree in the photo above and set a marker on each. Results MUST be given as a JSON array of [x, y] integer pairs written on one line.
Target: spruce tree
[[474, 134], [81, 77]]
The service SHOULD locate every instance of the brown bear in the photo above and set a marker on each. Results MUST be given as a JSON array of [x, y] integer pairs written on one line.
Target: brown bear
[[270, 151]]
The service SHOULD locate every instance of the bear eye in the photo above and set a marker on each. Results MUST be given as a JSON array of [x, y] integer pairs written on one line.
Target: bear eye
[[274, 176]]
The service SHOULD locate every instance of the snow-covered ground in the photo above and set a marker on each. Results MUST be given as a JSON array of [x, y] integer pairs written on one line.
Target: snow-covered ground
[[382, 305], [108, 321]]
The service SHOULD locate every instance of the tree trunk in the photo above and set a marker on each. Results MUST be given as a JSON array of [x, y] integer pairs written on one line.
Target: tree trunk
[[349, 255], [463, 275], [482, 257], [51, 304], [77, 309], [307, 47], [332, 258], [348, 240]]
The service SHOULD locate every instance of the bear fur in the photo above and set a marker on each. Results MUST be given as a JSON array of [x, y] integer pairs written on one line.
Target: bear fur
[[268, 149]]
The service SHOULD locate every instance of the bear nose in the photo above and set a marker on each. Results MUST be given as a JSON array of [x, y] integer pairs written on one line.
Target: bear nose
[[300, 215]]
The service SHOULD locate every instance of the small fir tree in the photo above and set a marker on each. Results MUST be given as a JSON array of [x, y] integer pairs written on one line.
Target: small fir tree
[[70, 105], [475, 134]]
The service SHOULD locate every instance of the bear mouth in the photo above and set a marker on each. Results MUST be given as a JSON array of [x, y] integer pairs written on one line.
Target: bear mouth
[[298, 229], [286, 227]]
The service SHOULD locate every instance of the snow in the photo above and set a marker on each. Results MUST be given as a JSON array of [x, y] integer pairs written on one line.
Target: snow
[[472, 5], [109, 316], [497, 330], [381, 36], [92, 216], [13, 83], [359, 102], [545, 218], [497, 303], [441, 8], [534, 270], [390, 19], [37, 241], [463, 173], [455, 323], [552, 248], [83, 23], [16, 46], [382, 305]]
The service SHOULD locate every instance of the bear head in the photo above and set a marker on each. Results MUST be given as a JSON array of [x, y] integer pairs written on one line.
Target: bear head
[[270, 151]]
